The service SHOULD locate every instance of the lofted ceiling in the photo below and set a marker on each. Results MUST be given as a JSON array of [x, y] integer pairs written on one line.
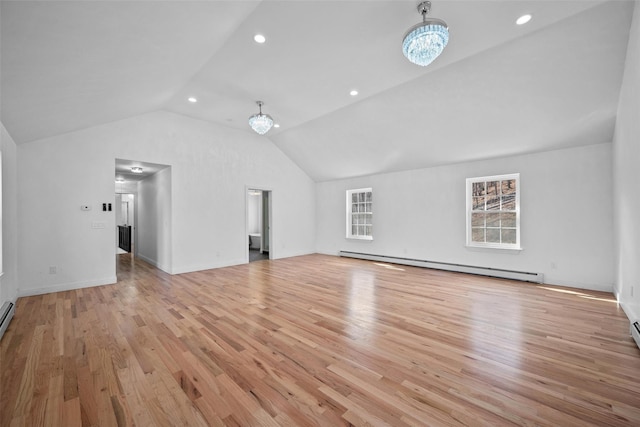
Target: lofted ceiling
[[498, 89]]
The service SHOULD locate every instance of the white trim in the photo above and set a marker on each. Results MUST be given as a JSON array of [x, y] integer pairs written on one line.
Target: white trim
[[469, 206], [460, 268], [269, 226], [494, 248], [348, 223], [155, 263], [66, 287], [5, 318], [211, 266], [604, 287], [365, 238], [629, 311]]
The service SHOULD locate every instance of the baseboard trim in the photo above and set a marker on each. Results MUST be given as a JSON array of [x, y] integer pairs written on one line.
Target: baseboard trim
[[579, 285], [630, 312], [6, 314], [459, 268], [202, 267], [155, 263], [66, 287]]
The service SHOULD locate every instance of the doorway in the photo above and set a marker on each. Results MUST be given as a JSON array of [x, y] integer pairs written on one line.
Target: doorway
[[258, 224], [139, 186], [125, 222]]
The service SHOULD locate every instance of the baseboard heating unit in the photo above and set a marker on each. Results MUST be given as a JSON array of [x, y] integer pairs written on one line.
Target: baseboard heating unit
[[6, 313], [635, 333], [460, 268]]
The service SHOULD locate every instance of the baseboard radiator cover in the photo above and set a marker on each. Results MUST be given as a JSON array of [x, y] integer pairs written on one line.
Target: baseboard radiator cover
[[460, 268], [6, 314], [635, 332]]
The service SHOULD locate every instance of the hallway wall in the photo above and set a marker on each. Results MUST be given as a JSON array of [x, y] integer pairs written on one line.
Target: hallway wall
[[211, 166]]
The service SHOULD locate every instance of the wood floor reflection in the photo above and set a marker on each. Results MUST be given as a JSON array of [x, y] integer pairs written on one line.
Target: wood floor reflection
[[318, 340]]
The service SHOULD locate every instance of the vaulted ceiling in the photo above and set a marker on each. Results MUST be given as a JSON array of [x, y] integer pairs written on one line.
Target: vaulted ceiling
[[498, 89]]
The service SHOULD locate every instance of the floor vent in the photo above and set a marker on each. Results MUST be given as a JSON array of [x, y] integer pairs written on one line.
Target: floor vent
[[635, 333], [461, 268], [5, 316]]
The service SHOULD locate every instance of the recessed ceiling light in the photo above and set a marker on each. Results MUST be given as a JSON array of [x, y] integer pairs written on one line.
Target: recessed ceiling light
[[523, 19], [259, 38], [119, 180], [136, 169], [192, 99], [276, 125], [353, 93]]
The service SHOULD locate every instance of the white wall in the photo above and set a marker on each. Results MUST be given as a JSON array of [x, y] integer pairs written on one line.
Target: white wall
[[211, 167], [254, 214], [154, 217], [127, 187], [9, 281], [124, 217], [117, 209], [130, 199], [626, 179], [56, 177], [566, 215]]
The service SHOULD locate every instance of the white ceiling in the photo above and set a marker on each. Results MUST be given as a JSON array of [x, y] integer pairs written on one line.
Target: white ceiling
[[498, 89], [123, 169]]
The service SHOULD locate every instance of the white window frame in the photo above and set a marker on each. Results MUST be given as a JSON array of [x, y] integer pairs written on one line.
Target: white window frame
[[469, 201], [349, 221]]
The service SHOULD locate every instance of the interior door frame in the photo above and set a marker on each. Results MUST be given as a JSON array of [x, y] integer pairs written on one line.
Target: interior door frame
[[269, 226], [133, 222]]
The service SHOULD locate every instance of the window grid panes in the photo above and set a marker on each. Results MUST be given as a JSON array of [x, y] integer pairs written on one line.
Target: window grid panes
[[359, 214], [493, 211]]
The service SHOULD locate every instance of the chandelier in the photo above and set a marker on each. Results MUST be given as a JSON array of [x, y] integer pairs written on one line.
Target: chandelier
[[425, 41], [261, 123]]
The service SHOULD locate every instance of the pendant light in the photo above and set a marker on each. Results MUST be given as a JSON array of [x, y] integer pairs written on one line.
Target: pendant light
[[425, 41]]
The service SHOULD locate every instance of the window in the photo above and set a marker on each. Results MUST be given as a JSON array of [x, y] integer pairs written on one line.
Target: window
[[493, 211], [359, 214]]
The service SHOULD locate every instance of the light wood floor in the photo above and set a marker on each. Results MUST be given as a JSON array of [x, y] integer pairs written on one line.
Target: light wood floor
[[318, 340]]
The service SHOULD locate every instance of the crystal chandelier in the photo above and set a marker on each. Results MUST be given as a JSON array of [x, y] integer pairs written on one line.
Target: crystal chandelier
[[261, 123], [425, 41]]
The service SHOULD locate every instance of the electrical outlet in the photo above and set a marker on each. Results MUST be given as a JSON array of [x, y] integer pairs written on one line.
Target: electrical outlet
[[53, 270]]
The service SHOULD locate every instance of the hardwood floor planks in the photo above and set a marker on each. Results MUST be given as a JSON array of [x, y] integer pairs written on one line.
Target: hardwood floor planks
[[318, 341]]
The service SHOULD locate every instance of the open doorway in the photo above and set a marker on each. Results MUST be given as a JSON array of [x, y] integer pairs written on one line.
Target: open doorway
[[142, 206], [258, 224], [125, 222]]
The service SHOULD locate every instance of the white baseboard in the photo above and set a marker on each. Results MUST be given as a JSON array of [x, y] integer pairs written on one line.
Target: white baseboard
[[155, 263], [6, 314], [208, 266], [588, 286], [66, 287], [632, 315], [447, 266]]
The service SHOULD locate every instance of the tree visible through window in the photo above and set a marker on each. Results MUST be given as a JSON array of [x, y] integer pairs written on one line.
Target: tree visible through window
[[493, 211], [359, 214]]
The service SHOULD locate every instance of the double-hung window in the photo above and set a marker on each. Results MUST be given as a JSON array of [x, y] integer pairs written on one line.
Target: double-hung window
[[360, 214], [493, 211]]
